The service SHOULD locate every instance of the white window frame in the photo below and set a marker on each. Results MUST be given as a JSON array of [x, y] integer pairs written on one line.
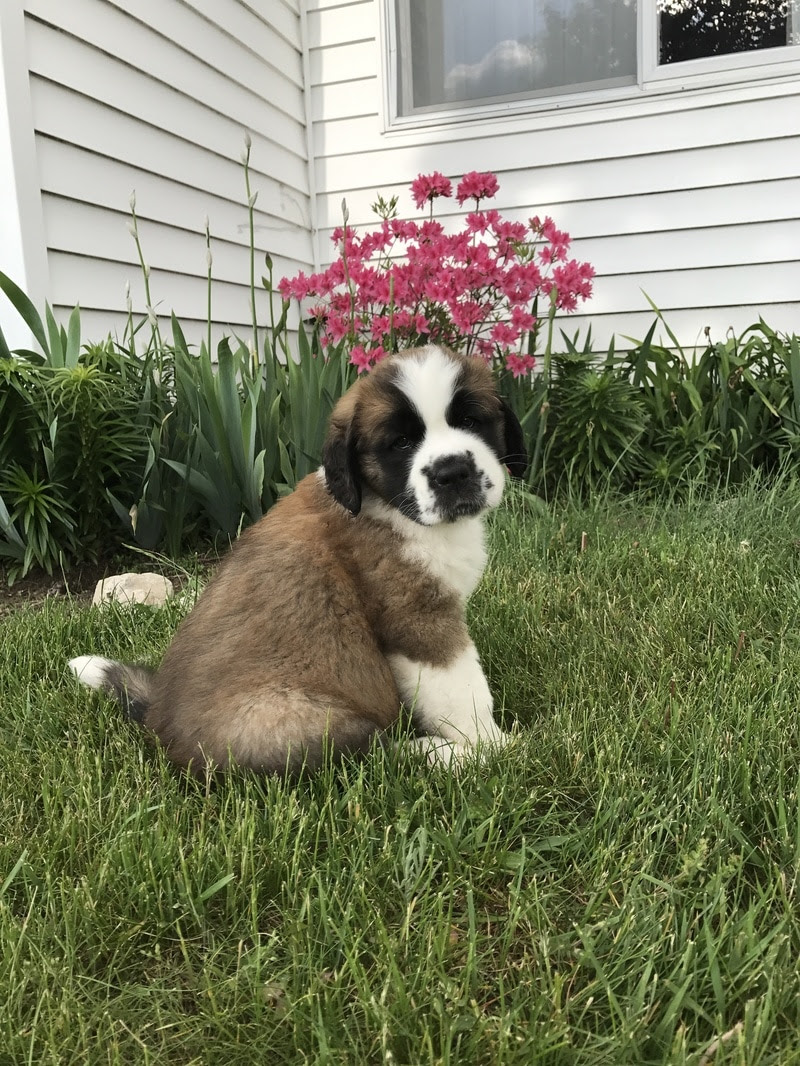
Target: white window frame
[[653, 80]]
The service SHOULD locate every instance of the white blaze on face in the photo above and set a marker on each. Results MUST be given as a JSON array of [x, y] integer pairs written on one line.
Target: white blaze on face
[[429, 381]]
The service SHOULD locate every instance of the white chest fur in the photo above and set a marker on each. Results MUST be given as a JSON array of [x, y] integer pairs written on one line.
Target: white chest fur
[[454, 552]]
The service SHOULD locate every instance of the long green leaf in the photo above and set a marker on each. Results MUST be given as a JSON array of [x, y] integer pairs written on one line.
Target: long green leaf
[[56, 346], [25, 309], [5, 352], [231, 430], [73, 348]]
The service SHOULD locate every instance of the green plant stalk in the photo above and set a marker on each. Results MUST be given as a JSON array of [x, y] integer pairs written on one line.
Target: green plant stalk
[[251, 201], [347, 279], [209, 263], [546, 376], [155, 329]]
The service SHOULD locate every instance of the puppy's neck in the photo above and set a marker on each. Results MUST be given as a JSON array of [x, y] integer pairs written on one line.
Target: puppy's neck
[[453, 552]]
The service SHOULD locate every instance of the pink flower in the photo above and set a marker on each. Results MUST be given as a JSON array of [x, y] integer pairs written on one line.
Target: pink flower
[[504, 334], [427, 187], [298, 287], [481, 221], [521, 318], [572, 280], [476, 186], [466, 315], [360, 357], [520, 364], [337, 327], [406, 231], [430, 230], [471, 289]]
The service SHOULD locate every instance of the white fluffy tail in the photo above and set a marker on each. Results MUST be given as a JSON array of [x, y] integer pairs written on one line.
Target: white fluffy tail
[[131, 685]]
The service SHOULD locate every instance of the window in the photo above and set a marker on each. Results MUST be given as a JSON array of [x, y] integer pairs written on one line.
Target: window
[[457, 54], [689, 30]]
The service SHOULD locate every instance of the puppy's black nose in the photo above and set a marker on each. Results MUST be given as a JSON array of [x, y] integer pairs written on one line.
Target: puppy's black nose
[[452, 471]]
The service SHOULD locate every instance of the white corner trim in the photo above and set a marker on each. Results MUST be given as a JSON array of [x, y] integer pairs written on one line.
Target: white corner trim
[[23, 250], [311, 161]]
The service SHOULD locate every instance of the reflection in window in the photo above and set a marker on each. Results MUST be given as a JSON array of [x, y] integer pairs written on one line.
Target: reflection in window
[[697, 30], [461, 51]]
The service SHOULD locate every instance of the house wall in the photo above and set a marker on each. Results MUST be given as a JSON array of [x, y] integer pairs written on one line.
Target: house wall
[[692, 197], [155, 97]]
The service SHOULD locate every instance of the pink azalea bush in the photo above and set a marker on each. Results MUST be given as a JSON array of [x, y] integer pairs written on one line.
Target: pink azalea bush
[[476, 290]]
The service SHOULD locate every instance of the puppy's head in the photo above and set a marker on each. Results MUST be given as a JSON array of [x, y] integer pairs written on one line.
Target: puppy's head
[[427, 433]]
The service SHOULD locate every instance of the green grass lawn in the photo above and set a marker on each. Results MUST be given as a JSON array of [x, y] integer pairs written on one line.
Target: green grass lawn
[[622, 885]]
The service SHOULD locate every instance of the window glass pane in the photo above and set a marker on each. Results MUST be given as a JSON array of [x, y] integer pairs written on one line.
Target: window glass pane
[[696, 30], [460, 51]]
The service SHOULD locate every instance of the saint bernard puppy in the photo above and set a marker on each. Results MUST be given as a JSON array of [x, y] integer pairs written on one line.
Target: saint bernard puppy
[[348, 598]]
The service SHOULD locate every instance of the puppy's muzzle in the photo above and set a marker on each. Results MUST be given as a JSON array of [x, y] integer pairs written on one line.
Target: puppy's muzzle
[[457, 485]]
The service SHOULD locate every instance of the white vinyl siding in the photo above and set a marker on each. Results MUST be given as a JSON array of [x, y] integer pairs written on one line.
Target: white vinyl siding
[[156, 97], [693, 197]]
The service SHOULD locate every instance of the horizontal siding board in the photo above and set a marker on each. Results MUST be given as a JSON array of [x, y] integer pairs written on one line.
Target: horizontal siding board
[[160, 37], [754, 205], [67, 116], [254, 27], [345, 99], [325, 5], [343, 62], [341, 25], [601, 185], [394, 159], [765, 243], [96, 326], [281, 214], [245, 59], [69, 65], [100, 285], [708, 287], [86, 230]]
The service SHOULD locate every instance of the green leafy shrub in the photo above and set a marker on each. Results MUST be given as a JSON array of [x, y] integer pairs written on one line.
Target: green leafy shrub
[[719, 414], [599, 421]]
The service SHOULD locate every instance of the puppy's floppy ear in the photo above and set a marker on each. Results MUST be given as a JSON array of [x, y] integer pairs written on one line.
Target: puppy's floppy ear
[[515, 456], [340, 462]]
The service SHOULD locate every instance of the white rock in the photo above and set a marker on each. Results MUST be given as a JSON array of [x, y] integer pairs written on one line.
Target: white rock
[[152, 589]]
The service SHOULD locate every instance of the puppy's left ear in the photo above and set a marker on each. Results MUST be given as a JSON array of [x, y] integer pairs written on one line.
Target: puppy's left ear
[[515, 456], [340, 463]]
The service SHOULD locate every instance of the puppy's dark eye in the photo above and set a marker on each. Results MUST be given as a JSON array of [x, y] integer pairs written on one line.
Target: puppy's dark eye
[[400, 444], [467, 422]]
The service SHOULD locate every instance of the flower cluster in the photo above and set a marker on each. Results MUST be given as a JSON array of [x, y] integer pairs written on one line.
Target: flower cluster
[[407, 282]]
